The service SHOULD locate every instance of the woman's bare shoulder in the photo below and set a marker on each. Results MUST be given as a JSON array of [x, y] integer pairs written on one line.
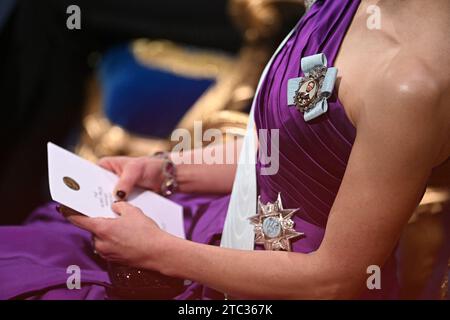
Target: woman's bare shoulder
[[407, 97], [396, 81]]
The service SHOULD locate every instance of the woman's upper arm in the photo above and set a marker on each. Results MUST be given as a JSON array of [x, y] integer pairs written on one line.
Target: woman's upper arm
[[400, 133]]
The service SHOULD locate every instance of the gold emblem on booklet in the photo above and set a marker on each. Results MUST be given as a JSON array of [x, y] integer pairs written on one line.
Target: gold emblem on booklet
[[71, 183]]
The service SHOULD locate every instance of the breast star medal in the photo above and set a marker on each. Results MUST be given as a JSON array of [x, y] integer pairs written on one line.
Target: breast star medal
[[309, 94], [273, 225]]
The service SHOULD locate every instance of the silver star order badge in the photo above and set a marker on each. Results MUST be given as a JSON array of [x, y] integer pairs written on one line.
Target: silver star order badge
[[273, 225]]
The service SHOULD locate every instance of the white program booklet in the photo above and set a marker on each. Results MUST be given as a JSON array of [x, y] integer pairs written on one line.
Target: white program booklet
[[87, 188]]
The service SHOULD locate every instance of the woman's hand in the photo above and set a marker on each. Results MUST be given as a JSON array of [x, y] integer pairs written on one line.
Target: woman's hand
[[144, 172], [131, 239]]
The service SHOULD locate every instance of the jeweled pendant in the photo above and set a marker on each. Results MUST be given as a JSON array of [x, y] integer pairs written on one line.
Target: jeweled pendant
[[309, 94]]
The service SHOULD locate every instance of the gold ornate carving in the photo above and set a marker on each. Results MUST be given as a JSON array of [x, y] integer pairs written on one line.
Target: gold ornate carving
[[191, 63]]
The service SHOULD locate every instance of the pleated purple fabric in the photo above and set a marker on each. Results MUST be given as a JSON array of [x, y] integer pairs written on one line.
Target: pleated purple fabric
[[313, 157]]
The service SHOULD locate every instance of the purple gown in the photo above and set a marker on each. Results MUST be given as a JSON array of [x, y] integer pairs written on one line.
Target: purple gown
[[313, 157]]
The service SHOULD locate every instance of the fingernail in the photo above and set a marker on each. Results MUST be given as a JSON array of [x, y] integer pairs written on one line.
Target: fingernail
[[121, 194], [115, 201]]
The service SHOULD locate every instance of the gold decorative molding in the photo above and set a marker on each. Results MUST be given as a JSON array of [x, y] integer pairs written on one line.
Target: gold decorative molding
[[180, 60], [233, 90]]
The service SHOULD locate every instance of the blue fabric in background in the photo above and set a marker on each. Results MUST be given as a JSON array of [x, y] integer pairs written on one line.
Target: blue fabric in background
[[144, 100], [6, 8]]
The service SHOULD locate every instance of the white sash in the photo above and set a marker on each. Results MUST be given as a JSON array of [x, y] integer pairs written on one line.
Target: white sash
[[238, 232]]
